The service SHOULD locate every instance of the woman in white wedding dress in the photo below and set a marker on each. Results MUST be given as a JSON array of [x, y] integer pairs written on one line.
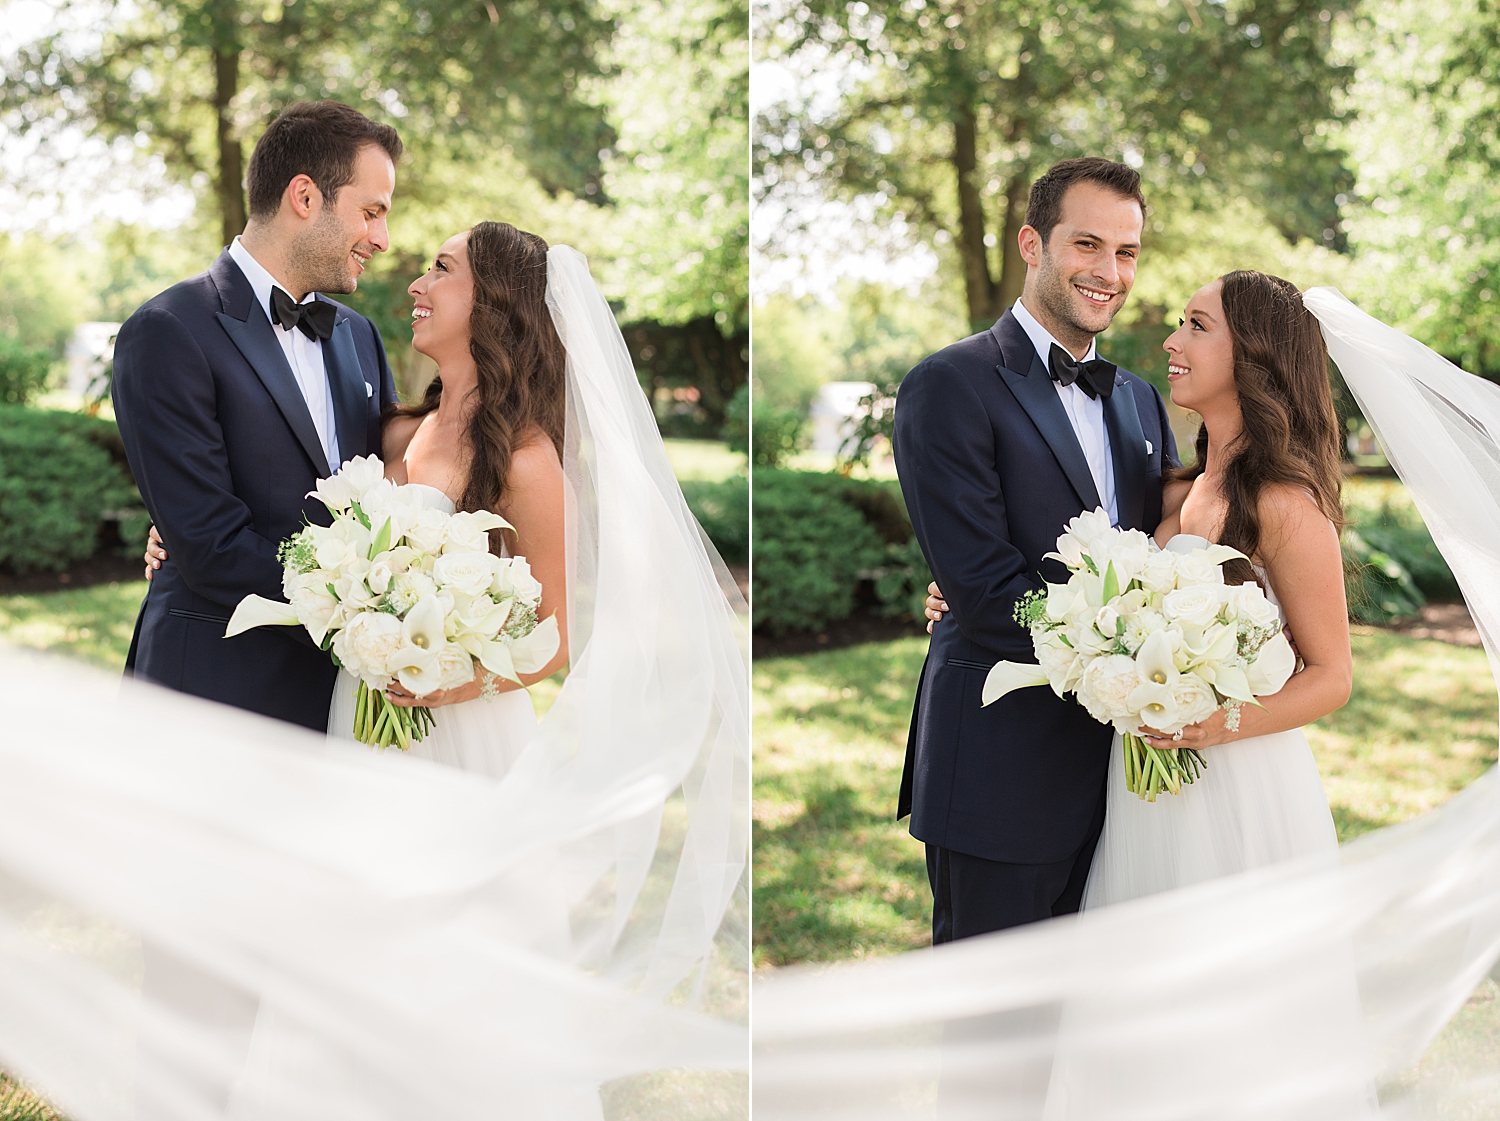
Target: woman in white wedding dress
[[488, 435]]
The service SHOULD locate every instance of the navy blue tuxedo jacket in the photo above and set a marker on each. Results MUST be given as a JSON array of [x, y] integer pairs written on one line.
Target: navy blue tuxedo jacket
[[224, 450], [991, 471]]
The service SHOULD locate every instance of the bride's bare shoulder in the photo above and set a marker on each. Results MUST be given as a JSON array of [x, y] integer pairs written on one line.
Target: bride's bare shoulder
[[395, 438], [534, 461], [1289, 513]]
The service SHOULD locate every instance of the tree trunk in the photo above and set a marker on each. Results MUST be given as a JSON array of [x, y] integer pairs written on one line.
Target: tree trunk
[[979, 284], [231, 176], [1013, 267]]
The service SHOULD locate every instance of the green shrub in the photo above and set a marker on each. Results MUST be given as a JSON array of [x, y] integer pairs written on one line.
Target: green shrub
[[821, 541], [723, 510], [63, 480], [775, 436], [23, 371], [736, 430], [1393, 566]]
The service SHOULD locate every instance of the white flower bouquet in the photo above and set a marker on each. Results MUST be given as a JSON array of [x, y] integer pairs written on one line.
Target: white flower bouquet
[[1149, 638], [398, 592]]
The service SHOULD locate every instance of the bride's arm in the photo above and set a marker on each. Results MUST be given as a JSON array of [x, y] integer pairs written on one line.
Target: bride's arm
[[1300, 550]]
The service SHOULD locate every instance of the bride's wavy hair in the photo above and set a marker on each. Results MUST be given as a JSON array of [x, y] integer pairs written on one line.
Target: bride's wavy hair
[[1290, 432], [519, 356]]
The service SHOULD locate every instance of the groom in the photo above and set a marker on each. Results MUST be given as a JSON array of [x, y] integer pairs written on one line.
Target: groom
[[237, 389], [999, 440]]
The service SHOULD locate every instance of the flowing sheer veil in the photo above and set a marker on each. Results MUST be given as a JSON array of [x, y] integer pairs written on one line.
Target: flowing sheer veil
[[397, 921], [1292, 992]]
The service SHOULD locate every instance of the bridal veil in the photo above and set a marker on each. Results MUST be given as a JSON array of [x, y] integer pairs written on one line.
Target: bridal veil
[[399, 918]]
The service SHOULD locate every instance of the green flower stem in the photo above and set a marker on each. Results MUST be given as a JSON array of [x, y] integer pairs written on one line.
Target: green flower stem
[[379, 723], [1151, 770]]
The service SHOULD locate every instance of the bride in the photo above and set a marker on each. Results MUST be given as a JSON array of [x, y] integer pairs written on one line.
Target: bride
[[1250, 360]]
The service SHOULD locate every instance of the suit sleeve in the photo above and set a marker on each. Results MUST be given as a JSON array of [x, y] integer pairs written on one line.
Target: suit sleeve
[[945, 456], [388, 394], [165, 403]]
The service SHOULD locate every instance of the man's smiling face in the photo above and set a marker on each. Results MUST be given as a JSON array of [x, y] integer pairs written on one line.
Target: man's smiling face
[[1084, 272]]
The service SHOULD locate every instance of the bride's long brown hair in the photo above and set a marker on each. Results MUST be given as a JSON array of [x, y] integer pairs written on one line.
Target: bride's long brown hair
[[1290, 432], [520, 359]]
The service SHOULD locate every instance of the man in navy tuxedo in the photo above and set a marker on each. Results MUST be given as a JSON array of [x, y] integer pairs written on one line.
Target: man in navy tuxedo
[[236, 390], [999, 440]]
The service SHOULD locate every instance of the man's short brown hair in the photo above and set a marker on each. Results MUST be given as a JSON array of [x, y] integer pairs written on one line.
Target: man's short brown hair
[[1044, 204], [319, 139]]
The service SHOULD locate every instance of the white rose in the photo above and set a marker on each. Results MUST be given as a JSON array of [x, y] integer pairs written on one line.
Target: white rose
[[1106, 687], [514, 578], [455, 666], [362, 473], [1197, 605], [366, 644], [1250, 605], [1106, 621], [1159, 572], [1197, 569], [379, 576], [427, 530], [1195, 700], [468, 573], [469, 531]]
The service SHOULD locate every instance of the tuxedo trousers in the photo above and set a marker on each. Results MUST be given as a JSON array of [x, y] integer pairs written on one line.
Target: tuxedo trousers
[[972, 895]]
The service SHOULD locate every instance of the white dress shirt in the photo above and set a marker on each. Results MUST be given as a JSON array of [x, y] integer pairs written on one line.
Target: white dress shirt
[[1085, 413], [304, 355]]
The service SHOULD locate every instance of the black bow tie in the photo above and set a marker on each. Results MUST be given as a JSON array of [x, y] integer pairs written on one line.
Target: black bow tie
[[1096, 377], [314, 318]]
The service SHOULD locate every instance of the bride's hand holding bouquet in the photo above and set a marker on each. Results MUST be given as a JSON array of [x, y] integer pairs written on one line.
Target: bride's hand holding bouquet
[[401, 594]]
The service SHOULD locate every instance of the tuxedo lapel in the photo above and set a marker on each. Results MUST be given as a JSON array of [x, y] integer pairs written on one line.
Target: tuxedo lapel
[[1034, 390], [1127, 447], [245, 322], [348, 388]]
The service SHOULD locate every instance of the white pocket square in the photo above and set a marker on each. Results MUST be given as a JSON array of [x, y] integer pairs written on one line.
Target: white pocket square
[[370, 392], [1148, 442]]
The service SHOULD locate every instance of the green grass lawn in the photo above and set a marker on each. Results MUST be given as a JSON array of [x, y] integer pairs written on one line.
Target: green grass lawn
[[836, 877]]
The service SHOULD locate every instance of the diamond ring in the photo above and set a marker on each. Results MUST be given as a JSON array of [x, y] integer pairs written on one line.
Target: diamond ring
[[1177, 735]]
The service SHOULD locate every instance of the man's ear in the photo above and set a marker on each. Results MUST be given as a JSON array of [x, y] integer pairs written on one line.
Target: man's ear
[[1030, 243], [303, 196]]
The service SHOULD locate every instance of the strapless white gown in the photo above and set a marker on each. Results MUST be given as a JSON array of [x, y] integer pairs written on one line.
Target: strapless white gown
[[1258, 801], [485, 737]]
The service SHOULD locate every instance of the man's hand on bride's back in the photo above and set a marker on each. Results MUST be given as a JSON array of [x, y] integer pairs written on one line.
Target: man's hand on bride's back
[[156, 552], [936, 608]]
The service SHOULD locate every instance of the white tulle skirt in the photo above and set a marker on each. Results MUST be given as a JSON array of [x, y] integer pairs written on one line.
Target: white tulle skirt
[[1259, 801], [482, 737]]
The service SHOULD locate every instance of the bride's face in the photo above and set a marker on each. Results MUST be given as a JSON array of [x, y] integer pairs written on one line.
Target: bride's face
[[1200, 353], [444, 296]]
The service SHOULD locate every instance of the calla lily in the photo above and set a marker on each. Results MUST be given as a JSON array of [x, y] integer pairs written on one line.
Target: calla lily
[[257, 611], [1273, 667], [1212, 644], [1232, 682], [418, 670], [1006, 677], [495, 657], [532, 653], [1154, 659], [423, 625], [1156, 704]]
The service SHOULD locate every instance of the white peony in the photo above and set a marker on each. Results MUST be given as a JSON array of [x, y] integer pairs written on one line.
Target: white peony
[[1063, 666], [1106, 688], [366, 644], [465, 572], [1196, 605], [315, 609]]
